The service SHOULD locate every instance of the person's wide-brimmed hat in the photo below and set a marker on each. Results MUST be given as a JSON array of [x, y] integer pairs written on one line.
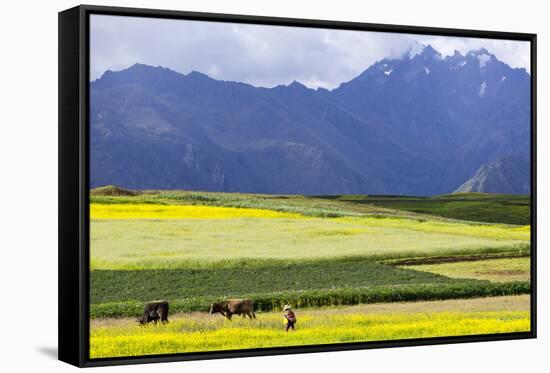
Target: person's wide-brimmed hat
[[286, 307]]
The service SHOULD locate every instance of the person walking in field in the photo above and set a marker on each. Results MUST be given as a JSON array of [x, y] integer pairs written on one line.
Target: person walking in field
[[289, 316]]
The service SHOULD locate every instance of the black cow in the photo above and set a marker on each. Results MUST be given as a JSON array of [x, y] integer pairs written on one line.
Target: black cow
[[155, 311]]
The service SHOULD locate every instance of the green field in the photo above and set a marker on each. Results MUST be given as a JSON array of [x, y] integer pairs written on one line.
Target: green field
[[180, 243], [495, 270], [491, 208], [193, 248]]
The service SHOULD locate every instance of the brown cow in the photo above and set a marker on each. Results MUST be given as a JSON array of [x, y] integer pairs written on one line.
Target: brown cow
[[243, 307], [155, 311]]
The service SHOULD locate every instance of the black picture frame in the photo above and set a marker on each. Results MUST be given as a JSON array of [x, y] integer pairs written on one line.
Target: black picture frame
[[74, 182]]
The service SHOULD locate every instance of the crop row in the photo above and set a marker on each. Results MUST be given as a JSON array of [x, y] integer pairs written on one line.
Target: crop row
[[336, 297]]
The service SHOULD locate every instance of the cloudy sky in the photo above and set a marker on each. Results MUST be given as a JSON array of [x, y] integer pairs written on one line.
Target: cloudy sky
[[265, 55]]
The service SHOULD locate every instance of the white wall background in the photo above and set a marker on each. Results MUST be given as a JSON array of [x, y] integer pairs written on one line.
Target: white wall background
[[28, 186]]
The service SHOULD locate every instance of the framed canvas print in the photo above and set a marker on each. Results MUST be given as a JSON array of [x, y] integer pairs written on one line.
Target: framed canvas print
[[234, 186]]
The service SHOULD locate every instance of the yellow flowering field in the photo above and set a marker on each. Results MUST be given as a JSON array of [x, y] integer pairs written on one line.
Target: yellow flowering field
[[203, 332], [468, 229], [151, 211]]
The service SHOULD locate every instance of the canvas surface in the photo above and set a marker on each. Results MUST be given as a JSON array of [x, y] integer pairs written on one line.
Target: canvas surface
[[378, 184]]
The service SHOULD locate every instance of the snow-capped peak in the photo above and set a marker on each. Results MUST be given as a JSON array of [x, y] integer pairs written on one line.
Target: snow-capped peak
[[483, 60]]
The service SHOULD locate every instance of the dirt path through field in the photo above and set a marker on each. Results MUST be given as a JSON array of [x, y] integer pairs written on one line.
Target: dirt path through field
[[506, 303]]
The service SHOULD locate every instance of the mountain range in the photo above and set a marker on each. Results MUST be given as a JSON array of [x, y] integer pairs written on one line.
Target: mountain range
[[422, 124]]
